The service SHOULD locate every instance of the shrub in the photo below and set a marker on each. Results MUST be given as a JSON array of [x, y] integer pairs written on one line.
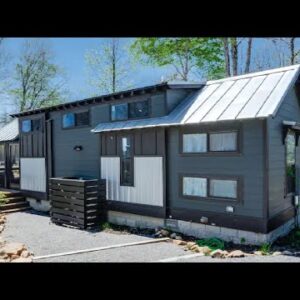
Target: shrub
[[212, 243], [265, 248]]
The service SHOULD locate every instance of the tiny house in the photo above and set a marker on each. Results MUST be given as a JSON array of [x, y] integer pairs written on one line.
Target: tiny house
[[219, 158]]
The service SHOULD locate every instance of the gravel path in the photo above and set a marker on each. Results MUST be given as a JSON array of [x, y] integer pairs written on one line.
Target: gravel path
[[42, 238]]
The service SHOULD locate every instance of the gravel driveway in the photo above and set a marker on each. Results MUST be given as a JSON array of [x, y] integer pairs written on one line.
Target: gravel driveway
[[43, 238]]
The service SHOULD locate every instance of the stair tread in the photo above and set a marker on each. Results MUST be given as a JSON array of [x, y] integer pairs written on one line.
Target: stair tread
[[15, 199], [15, 210]]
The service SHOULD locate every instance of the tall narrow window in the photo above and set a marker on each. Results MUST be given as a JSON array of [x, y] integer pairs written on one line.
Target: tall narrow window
[[26, 126], [290, 152], [126, 161]]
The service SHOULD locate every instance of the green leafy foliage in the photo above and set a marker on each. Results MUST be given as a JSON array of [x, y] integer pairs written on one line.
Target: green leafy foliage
[[105, 226], [265, 248], [187, 55], [212, 243]]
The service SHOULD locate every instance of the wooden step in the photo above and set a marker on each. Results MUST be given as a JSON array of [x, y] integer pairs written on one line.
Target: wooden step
[[17, 205], [14, 199], [15, 210]]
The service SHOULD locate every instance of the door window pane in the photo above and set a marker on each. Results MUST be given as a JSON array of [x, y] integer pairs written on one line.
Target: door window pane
[[223, 141], [194, 143], [223, 188], [126, 161], [119, 112], [193, 186], [290, 144]]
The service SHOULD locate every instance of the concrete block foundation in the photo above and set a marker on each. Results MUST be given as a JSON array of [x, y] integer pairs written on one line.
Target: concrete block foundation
[[201, 230]]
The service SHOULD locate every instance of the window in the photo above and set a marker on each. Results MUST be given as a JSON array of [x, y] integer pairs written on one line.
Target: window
[[139, 109], [119, 112], [82, 118], [194, 186], [133, 110], [223, 188], [126, 161], [194, 143], [218, 142], [26, 126], [290, 152], [68, 120], [71, 120], [36, 125], [225, 141], [209, 187]]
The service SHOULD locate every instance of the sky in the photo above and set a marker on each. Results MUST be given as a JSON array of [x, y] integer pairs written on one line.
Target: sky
[[69, 54]]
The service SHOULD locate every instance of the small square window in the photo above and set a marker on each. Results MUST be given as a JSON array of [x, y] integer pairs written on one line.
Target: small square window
[[26, 126], [82, 119], [194, 143], [36, 125], [194, 186], [68, 120], [139, 109], [223, 141], [223, 188], [119, 112]]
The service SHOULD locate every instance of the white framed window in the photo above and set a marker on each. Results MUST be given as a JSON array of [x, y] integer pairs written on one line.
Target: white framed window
[[223, 141], [194, 186], [223, 188], [194, 143]]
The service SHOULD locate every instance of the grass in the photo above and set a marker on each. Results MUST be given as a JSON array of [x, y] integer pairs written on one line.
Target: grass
[[212, 243], [105, 226]]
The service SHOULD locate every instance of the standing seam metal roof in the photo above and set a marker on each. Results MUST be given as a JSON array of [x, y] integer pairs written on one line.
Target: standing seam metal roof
[[10, 131], [253, 95]]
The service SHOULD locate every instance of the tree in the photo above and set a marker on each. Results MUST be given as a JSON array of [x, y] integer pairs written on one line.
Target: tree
[[233, 51], [38, 81], [108, 67], [186, 55], [288, 50]]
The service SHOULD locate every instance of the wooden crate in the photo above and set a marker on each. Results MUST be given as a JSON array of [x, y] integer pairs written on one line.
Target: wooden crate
[[76, 202]]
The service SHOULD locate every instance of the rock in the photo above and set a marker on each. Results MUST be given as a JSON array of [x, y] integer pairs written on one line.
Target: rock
[[194, 248], [157, 229], [178, 237], [25, 254], [165, 233], [14, 256], [236, 253], [219, 253], [3, 256], [1, 228], [179, 243], [22, 260], [258, 253], [173, 235], [13, 249], [2, 260], [276, 253], [205, 250], [288, 253], [189, 245]]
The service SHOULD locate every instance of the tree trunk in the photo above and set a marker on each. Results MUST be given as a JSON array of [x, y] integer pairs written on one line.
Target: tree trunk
[[227, 58], [292, 51], [248, 57], [113, 66], [234, 56]]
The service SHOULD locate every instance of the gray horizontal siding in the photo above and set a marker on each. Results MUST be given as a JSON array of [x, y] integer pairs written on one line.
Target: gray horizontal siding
[[289, 110], [249, 165]]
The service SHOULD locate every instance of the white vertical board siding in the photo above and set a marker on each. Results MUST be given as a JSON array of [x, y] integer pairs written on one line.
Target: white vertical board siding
[[148, 181], [33, 174]]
